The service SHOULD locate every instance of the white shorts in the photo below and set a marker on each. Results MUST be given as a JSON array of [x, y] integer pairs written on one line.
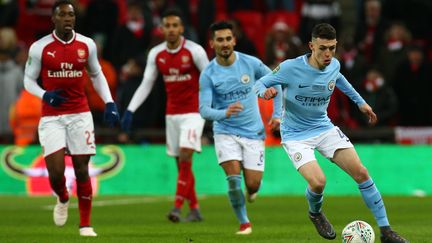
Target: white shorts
[[249, 151], [302, 151], [75, 132], [183, 131]]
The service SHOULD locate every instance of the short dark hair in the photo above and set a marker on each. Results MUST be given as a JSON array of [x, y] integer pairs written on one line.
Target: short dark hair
[[61, 2], [324, 31], [219, 26], [173, 12]]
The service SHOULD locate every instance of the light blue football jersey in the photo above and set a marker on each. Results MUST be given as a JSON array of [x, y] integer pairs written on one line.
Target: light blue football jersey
[[306, 95], [221, 86]]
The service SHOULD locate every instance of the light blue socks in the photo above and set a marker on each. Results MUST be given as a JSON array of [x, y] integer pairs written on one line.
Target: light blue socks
[[374, 202], [315, 201], [237, 198]]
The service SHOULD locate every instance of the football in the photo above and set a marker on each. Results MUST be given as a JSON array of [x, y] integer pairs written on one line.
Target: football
[[358, 232]]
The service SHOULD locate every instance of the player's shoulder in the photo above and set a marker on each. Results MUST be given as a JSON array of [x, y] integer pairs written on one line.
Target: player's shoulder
[[83, 38], [37, 47], [43, 41], [210, 69], [297, 61], [191, 45], [247, 57], [336, 62], [157, 49]]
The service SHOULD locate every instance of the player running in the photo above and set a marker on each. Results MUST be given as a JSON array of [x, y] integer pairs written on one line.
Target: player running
[[308, 82], [180, 62], [227, 98], [59, 60]]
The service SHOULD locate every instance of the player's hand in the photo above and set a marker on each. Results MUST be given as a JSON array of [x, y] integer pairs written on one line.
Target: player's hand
[[53, 98], [274, 124], [111, 115], [367, 110], [270, 93], [234, 109], [126, 121]]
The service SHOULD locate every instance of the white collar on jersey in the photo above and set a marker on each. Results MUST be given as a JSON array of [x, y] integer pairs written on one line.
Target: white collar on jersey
[[62, 41], [178, 48]]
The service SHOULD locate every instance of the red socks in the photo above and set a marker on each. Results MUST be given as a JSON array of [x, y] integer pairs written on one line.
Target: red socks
[[85, 194], [60, 190], [183, 183], [193, 200]]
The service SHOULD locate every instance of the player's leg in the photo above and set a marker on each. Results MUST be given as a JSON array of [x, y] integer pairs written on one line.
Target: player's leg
[[184, 179], [253, 179], [349, 161], [172, 131], [302, 155], [185, 185], [56, 167], [80, 140], [52, 137], [84, 193], [191, 126], [253, 165], [229, 154], [315, 177], [232, 170]]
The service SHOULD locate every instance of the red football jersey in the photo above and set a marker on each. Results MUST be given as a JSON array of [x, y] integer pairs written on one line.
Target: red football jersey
[[180, 69], [61, 65]]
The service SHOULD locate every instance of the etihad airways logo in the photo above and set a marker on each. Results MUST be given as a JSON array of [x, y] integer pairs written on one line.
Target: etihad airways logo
[[313, 101], [65, 72]]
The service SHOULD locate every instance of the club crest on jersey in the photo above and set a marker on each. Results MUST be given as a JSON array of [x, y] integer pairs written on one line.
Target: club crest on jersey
[[185, 59], [245, 78], [297, 157], [331, 85], [81, 53]]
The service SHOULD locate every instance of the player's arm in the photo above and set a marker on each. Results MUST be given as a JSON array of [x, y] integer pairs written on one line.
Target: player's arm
[[97, 77], [277, 109], [266, 87], [100, 84], [275, 92], [200, 58], [32, 71], [143, 90], [206, 100], [343, 84], [31, 74]]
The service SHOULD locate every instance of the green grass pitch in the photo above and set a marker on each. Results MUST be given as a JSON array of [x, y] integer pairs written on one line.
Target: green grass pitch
[[129, 219]]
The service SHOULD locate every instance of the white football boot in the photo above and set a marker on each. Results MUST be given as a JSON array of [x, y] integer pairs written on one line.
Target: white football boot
[[87, 231], [60, 213]]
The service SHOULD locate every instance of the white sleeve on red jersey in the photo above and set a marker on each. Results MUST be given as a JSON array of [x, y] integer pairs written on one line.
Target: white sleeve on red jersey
[[94, 70], [32, 70], [150, 75], [198, 54]]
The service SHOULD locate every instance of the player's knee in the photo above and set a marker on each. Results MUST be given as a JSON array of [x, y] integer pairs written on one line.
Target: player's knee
[[317, 184], [361, 175], [185, 155], [81, 173], [55, 178], [253, 185]]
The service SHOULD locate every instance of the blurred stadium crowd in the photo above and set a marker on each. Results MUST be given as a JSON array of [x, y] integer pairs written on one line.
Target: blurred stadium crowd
[[385, 50]]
